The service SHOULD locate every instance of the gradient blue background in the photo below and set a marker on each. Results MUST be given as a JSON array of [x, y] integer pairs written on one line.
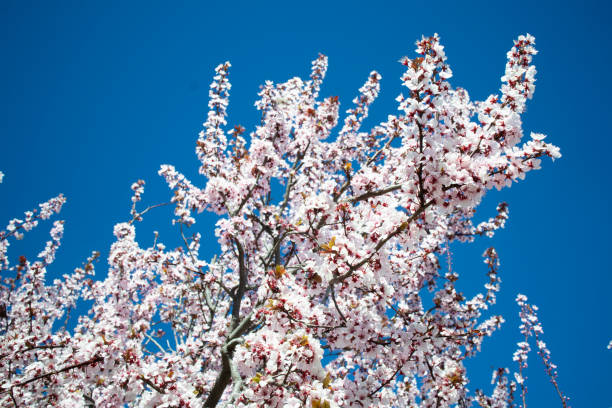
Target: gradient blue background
[[95, 95]]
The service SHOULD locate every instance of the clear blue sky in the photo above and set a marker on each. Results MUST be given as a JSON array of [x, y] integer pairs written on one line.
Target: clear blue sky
[[95, 95]]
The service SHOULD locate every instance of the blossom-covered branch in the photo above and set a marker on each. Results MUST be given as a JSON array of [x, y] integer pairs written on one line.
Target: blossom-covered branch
[[329, 247]]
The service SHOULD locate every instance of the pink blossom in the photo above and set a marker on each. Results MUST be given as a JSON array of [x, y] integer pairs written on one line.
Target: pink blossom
[[330, 246]]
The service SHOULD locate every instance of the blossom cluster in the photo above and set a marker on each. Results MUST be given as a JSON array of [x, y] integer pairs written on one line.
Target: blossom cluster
[[330, 248]]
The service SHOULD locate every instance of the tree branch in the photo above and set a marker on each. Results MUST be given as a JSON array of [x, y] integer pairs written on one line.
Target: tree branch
[[94, 360]]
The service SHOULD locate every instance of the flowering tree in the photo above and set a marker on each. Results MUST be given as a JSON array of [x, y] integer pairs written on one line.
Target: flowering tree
[[315, 299]]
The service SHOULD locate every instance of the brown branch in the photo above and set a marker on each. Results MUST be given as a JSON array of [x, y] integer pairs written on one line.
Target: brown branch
[[375, 193], [137, 216], [264, 226], [386, 146], [237, 329], [389, 189], [310, 325], [384, 384], [333, 293], [291, 182], [222, 381], [246, 198], [381, 243], [152, 385], [242, 285], [34, 348], [13, 397], [94, 360]]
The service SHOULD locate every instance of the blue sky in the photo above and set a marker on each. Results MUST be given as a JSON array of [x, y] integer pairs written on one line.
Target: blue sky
[[95, 95]]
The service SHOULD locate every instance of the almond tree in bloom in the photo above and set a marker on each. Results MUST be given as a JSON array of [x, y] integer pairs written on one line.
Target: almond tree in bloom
[[316, 296]]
